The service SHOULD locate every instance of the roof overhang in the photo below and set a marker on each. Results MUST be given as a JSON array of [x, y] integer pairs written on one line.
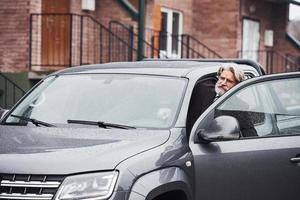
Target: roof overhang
[[130, 8], [293, 40], [296, 2]]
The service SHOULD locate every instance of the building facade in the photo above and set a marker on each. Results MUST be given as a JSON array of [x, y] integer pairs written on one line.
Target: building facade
[[41, 36]]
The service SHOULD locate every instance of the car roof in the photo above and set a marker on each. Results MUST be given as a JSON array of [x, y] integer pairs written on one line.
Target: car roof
[[179, 68]]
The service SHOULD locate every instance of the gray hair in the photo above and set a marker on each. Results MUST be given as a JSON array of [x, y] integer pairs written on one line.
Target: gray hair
[[234, 68]]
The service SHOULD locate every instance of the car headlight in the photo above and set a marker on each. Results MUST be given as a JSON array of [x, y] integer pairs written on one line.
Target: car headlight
[[93, 186]]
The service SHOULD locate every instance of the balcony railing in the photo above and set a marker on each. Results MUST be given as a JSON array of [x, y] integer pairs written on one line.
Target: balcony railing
[[10, 92], [64, 40], [273, 61], [181, 46], [193, 48]]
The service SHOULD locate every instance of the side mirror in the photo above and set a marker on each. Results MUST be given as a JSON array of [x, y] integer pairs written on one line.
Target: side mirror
[[221, 128]]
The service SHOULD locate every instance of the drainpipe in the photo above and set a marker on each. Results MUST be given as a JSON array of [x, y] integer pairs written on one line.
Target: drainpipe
[[141, 29]]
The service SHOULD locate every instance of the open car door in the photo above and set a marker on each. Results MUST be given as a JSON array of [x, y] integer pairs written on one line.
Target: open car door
[[246, 145]]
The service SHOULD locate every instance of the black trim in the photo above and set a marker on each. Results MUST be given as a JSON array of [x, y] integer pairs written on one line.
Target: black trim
[[293, 40], [130, 9], [178, 187], [251, 63], [294, 2]]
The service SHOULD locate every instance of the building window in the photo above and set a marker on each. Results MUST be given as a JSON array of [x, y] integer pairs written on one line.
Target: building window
[[170, 36], [294, 12], [251, 37]]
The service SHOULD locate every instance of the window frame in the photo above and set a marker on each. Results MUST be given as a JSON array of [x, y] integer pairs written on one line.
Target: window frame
[[168, 52]]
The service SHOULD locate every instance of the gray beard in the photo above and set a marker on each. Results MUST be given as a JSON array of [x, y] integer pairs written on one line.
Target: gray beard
[[219, 91]]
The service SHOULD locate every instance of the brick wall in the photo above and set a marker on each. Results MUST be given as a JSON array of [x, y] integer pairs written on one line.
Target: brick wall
[[35, 6], [281, 43], [272, 16], [14, 34], [108, 10], [262, 11], [14, 28], [216, 24], [105, 11]]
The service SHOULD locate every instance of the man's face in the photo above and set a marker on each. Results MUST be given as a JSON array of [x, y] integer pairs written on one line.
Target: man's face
[[226, 82]]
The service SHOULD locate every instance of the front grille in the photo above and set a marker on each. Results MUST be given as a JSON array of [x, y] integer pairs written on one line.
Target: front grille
[[28, 187]]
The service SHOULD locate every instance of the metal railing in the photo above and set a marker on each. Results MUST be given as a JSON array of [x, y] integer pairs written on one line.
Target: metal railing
[[273, 61], [10, 92], [130, 34], [183, 45], [65, 40], [123, 33], [193, 48]]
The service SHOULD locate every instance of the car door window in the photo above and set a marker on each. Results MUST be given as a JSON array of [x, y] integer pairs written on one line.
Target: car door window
[[288, 121], [251, 108], [263, 109], [203, 96]]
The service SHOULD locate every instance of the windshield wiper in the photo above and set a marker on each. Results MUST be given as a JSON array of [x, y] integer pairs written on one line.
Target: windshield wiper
[[100, 124], [34, 121]]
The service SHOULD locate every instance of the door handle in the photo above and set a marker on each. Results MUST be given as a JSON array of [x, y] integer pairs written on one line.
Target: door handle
[[295, 160]]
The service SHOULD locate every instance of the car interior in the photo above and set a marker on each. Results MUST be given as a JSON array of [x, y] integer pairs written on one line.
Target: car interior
[[202, 97]]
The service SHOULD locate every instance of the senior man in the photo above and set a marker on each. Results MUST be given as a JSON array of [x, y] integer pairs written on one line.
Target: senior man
[[230, 75]]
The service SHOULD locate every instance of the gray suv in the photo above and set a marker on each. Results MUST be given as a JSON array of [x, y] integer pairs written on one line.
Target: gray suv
[[151, 130]]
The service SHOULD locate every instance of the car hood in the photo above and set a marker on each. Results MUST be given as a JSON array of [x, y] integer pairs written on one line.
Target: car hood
[[41, 150]]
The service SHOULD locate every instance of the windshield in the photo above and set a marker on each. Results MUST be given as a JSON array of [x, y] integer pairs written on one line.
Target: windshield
[[131, 100]]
